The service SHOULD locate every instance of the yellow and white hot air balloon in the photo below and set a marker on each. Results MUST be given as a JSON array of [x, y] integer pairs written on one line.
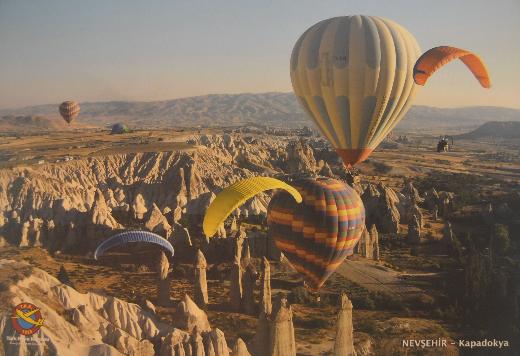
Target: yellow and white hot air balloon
[[354, 76]]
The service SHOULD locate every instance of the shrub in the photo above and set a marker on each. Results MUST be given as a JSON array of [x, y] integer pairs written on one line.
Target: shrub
[[300, 295], [382, 168], [366, 302], [501, 241], [143, 269], [3, 286], [315, 321], [179, 272]]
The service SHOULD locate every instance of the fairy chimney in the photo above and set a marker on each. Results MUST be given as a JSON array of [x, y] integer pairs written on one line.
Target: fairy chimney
[[163, 288], [282, 341], [200, 283], [344, 341]]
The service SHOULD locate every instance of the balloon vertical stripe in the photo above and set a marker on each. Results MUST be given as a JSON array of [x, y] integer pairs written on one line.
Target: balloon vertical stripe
[[354, 75], [320, 232]]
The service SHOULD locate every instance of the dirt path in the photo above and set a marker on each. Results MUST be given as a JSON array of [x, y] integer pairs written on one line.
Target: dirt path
[[375, 277]]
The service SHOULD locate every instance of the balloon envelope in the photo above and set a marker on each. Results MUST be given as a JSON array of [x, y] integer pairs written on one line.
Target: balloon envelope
[[353, 76], [318, 234], [69, 110], [235, 195], [132, 236], [435, 58]]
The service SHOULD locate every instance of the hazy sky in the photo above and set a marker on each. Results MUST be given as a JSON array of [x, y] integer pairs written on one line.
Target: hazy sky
[[104, 50]]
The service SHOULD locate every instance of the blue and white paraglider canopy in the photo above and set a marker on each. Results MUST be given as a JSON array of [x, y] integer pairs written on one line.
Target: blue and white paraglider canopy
[[132, 236]]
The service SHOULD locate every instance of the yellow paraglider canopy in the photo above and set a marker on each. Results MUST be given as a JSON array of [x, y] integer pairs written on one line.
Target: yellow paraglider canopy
[[235, 195]]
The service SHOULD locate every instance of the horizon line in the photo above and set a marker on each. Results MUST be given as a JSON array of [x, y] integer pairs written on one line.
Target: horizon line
[[227, 94]]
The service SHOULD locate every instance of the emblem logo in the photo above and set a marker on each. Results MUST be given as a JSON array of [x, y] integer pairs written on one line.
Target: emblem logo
[[26, 318]]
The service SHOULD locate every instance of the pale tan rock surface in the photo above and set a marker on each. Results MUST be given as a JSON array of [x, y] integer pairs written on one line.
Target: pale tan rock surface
[[98, 325], [200, 283], [240, 349], [235, 288], [282, 342], [344, 339], [163, 284], [188, 316]]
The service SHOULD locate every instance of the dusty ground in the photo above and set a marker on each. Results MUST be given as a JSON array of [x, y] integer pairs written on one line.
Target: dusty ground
[[393, 299]]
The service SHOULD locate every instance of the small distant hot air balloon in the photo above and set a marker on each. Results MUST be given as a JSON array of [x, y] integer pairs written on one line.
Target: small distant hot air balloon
[[353, 76], [318, 234], [69, 110], [435, 58]]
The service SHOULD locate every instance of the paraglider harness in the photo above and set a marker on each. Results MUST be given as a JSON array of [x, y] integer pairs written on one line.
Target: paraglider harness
[[443, 144]]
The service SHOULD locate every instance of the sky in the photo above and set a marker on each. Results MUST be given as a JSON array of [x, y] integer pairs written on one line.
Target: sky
[[103, 50]]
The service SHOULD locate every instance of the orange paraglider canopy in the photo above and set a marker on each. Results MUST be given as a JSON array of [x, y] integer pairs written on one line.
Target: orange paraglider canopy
[[437, 57]]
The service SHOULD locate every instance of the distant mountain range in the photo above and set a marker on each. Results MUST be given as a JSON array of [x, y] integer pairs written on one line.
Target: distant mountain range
[[495, 129], [271, 109]]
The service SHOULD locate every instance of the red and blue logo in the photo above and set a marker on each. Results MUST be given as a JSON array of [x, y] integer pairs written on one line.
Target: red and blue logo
[[27, 319]]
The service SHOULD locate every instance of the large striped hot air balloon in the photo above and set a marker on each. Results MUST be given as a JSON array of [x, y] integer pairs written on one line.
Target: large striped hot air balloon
[[353, 75], [69, 110], [318, 234]]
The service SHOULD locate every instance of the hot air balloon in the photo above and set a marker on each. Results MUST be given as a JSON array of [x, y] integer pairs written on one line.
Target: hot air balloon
[[317, 235], [353, 76], [235, 195], [315, 222], [132, 236], [69, 110], [433, 59]]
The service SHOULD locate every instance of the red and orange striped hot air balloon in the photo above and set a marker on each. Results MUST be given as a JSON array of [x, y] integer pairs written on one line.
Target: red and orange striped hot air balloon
[[69, 110], [318, 234]]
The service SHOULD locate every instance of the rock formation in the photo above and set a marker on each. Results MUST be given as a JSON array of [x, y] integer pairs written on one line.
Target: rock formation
[[219, 342], [447, 235], [382, 208], [368, 244], [235, 288], [344, 340], [100, 213], [197, 344], [415, 213], [233, 228], [188, 316], [326, 171], [431, 199], [374, 237], [200, 283], [238, 243], [281, 340], [265, 291], [240, 349], [300, 157], [99, 325], [139, 207], [414, 231], [248, 285], [246, 255], [163, 287], [157, 222], [412, 193]]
